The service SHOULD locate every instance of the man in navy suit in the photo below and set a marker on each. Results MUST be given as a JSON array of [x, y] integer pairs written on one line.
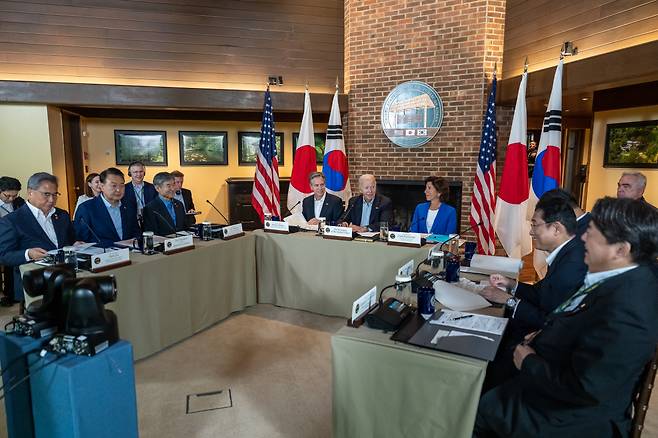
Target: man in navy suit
[[138, 192], [578, 375], [553, 229], [320, 203], [164, 215], [184, 196], [105, 219], [9, 202], [365, 212], [37, 227]]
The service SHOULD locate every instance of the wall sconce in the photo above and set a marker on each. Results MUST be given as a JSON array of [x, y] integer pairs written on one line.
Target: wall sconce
[[568, 49]]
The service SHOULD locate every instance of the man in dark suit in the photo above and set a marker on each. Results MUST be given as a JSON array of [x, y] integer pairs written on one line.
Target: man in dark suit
[[365, 212], [164, 215], [9, 202], [184, 196], [138, 192], [582, 217], [320, 203], [105, 219], [35, 228], [578, 374], [553, 229]]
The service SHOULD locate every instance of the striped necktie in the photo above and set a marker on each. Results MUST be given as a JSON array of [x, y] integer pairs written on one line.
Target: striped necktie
[[573, 302]]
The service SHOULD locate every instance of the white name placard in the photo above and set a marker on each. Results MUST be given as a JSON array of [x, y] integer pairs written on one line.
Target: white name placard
[[232, 231], [110, 259], [333, 232], [404, 239], [178, 243], [364, 303], [277, 227], [407, 269]]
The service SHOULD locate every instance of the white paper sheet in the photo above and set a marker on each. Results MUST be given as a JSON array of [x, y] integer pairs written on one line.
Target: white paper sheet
[[457, 298], [298, 219], [494, 265], [368, 234], [472, 321]]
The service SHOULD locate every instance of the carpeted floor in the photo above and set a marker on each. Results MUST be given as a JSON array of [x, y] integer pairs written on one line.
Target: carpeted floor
[[276, 363]]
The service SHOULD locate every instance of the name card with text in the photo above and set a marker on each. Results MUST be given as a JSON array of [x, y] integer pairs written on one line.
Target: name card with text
[[340, 233], [404, 239], [232, 231], [110, 260], [362, 305], [178, 244], [280, 227]]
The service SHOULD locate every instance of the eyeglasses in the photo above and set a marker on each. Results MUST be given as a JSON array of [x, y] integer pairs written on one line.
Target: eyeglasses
[[535, 225], [48, 194]]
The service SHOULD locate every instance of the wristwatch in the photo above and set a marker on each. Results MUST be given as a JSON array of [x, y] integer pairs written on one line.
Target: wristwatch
[[512, 302]]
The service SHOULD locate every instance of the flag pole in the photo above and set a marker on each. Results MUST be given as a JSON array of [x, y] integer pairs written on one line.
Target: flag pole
[[277, 158]]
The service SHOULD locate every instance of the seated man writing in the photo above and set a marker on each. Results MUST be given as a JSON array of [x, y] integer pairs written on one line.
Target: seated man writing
[[578, 374]]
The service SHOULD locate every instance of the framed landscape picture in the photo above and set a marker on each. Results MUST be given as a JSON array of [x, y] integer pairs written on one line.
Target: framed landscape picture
[[319, 146], [149, 147], [203, 148], [633, 144], [248, 146]]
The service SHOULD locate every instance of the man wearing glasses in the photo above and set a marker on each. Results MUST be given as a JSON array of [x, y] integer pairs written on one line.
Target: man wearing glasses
[[35, 228], [9, 201], [553, 229]]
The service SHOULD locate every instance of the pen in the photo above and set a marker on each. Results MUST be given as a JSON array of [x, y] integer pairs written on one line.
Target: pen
[[461, 317]]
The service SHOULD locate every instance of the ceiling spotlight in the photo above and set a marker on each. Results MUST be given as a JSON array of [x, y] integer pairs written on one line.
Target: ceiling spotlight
[[584, 99], [568, 49]]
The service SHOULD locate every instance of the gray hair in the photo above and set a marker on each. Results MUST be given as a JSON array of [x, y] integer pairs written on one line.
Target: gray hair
[[640, 177], [367, 176], [316, 175], [39, 178], [162, 177]]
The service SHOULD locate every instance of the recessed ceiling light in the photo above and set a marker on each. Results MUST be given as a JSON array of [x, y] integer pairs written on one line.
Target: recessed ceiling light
[[566, 110], [584, 98]]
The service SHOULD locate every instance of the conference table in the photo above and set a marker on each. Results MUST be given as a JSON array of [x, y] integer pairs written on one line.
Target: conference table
[[164, 299], [306, 272], [385, 388]]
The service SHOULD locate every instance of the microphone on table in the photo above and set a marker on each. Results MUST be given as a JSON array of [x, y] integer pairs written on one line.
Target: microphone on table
[[350, 206], [290, 209], [217, 210], [457, 236], [91, 231], [167, 222]]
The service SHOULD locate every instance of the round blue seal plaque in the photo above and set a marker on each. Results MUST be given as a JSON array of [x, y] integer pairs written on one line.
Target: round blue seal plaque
[[412, 114]]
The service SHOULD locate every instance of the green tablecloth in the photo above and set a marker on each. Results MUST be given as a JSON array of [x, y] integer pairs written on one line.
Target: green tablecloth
[[163, 299], [303, 271], [386, 389]]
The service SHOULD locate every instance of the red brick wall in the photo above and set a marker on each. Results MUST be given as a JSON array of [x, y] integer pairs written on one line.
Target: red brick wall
[[453, 46]]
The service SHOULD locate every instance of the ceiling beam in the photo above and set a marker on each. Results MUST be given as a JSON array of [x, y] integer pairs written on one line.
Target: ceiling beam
[[122, 96]]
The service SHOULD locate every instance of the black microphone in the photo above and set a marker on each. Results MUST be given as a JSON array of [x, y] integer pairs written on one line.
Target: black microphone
[[167, 222], [91, 231], [457, 236], [217, 210], [350, 206], [417, 221], [290, 209]]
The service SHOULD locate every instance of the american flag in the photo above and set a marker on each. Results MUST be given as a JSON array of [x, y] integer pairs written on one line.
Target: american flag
[[483, 201], [265, 194]]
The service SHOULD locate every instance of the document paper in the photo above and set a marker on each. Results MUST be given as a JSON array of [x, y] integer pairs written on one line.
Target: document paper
[[458, 298], [471, 321]]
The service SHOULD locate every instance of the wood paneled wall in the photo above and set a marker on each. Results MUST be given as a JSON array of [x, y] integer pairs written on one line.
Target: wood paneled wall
[[537, 29], [229, 44]]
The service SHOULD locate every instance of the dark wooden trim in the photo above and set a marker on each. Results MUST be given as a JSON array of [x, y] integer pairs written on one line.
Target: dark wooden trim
[[149, 98], [626, 97]]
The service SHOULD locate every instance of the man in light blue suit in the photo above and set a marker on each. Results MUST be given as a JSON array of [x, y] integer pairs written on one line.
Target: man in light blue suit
[[434, 215], [37, 227], [105, 219]]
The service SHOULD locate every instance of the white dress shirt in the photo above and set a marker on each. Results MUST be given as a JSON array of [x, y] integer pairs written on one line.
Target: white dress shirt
[[46, 223], [431, 216], [318, 203]]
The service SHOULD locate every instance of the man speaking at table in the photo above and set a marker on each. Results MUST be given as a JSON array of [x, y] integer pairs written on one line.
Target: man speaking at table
[[164, 215], [105, 219], [320, 203], [578, 374], [366, 212]]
